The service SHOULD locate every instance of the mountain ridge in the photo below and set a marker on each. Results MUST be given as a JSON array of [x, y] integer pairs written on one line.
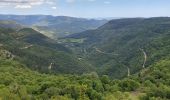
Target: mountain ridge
[[55, 26]]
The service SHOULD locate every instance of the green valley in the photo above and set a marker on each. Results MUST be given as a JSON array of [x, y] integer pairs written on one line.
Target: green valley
[[124, 59], [38, 52], [124, 44]]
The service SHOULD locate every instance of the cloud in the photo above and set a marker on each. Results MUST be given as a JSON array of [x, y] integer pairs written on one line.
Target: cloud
[[91, 0], [23, 6], [107, 2], [33, 2], [25, 3], [50, 2], [19, 4], [54, 7], [70, 1], [73, 1]]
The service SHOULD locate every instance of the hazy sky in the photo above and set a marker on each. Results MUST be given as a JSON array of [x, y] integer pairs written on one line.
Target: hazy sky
[[88, 8]]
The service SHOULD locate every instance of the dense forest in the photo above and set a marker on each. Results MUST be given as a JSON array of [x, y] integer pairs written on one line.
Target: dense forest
[[124, 43], [20, 83], [39, 52], [125, 59]]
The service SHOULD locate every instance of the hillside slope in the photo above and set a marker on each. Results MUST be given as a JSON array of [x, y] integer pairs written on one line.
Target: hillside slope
[[41, 53], [18, 82], [124, 44]]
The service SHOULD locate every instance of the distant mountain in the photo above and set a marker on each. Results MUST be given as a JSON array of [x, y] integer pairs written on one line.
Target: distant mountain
[[124, 44], [10, 24], [55, 26]]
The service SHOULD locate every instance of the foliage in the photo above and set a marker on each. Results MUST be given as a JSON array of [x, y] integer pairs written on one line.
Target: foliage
[[76, 78], [120, 43], [18, 82], [37, 52]]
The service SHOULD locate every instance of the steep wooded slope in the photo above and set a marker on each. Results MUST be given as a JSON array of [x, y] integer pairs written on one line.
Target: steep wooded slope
[[124, 43], [40, 53]]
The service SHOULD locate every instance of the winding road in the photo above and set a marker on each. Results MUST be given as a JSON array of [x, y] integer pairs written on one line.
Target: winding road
[[50, 66], [128, 69], [98, 50], [145, 58], [26, 47]]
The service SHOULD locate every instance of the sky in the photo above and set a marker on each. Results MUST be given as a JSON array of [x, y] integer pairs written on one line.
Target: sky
[[87, 8]]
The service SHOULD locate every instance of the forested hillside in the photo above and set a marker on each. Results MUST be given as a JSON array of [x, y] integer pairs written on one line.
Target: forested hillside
[[20, 83], [41, 53], [124, 45]]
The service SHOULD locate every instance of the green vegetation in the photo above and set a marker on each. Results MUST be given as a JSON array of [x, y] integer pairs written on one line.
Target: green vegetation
[[19, 83], [126, 59], [119, 45], [37, 52]]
